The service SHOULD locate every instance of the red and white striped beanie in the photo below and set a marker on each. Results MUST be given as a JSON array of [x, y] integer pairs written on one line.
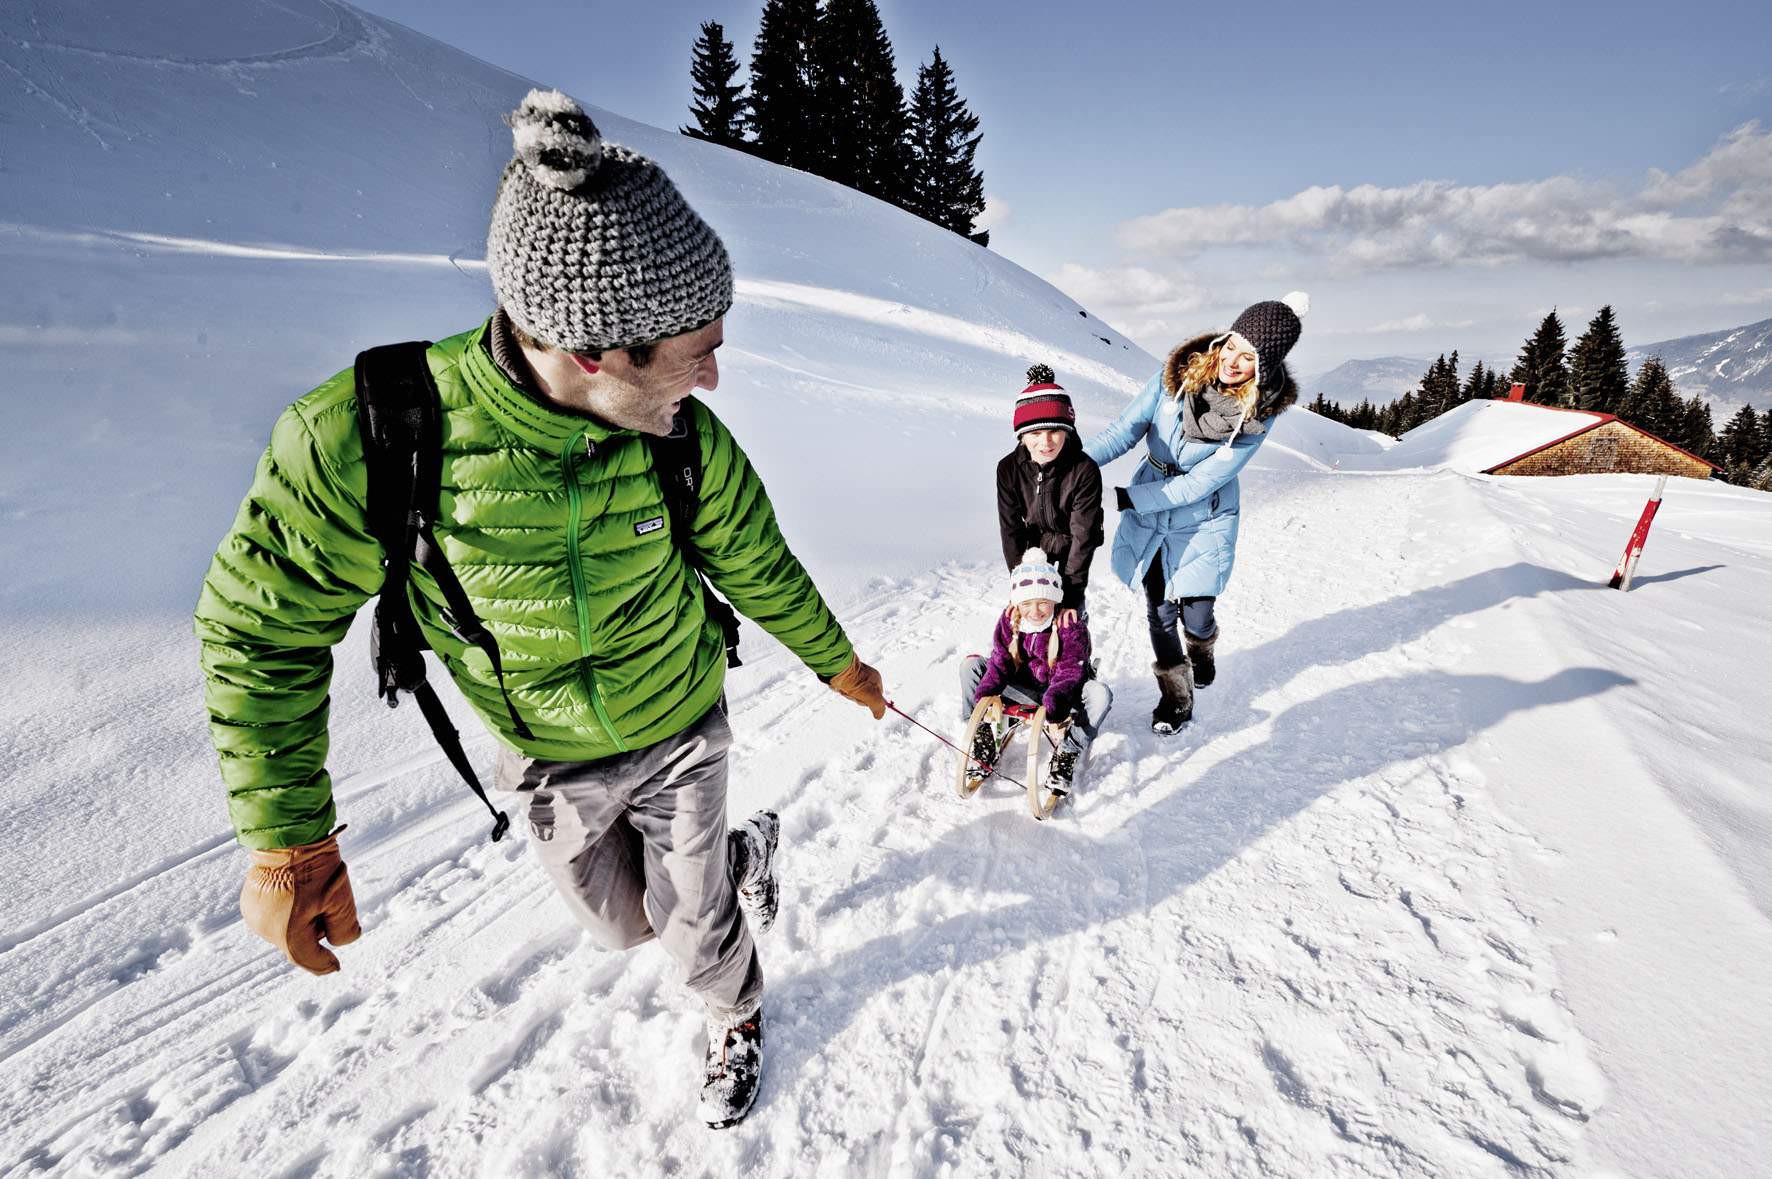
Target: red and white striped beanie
[[1043, 405]]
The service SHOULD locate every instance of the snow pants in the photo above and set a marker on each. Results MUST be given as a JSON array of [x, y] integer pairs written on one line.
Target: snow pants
[[636, 845], [1085, 726], [1194, 615]]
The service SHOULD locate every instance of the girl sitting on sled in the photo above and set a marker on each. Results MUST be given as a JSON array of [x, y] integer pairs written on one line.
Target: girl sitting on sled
[[1038, 661]]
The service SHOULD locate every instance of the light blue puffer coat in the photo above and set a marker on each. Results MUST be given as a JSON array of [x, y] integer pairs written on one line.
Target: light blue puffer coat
[[1189, 519]]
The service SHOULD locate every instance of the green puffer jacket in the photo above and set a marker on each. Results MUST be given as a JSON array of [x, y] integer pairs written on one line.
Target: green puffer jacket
[[551, 521]]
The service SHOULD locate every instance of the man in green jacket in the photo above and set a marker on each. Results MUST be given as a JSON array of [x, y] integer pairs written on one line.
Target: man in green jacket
[[612, 293]]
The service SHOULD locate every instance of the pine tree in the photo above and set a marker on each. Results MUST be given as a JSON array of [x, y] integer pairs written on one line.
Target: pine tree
[[1651, 404], [1446, 393], [1483, 383], [860, 121], [948, 189], [1741, 443], [1387, 419], [1430, 393], [1696, 431], [1408, 411], [781, 83], [1540, 367], [719, 106], [1599, 377]]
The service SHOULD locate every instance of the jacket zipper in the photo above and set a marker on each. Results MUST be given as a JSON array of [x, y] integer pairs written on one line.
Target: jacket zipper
[[580, 601]]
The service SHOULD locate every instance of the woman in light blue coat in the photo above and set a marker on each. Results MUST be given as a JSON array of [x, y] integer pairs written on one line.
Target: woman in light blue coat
[[1201, 420]]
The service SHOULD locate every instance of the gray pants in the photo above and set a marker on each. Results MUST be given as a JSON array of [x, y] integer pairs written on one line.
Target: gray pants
[[1093, 709], [636, 845]]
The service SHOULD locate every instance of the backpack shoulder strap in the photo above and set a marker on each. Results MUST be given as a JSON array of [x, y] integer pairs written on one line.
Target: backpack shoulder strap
[[398, 411], [676, 457]]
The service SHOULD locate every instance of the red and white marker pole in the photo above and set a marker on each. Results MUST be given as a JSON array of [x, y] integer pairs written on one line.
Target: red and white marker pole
[[1627, 564]]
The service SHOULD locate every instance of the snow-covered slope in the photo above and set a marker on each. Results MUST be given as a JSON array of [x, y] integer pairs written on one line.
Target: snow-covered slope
[[1460, 871]]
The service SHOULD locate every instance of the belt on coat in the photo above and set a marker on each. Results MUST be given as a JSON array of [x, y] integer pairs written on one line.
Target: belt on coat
[[1168, 470]]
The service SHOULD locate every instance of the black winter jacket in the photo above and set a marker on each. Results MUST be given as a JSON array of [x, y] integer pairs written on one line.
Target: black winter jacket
[[1056, 507]]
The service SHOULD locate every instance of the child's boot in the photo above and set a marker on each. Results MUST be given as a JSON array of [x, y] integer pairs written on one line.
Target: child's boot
[[984, 753], [1060, 772]]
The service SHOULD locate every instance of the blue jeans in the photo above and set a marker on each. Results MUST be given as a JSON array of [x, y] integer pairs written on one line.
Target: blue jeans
[[1193, 614], [1097, 701]]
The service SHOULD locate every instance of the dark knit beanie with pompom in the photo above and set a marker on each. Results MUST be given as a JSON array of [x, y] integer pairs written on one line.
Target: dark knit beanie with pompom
[[1271, 328]]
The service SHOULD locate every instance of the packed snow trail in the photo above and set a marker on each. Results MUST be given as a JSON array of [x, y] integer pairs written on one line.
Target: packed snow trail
[[1281, 942]]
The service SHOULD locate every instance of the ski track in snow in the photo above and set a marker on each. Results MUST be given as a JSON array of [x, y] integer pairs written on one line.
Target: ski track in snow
[[1280, 942]]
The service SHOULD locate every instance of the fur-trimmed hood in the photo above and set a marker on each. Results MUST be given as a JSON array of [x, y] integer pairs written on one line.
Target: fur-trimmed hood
[[1272, 400]]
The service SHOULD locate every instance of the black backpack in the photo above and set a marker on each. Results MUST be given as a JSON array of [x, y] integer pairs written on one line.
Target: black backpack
[[398, 416]]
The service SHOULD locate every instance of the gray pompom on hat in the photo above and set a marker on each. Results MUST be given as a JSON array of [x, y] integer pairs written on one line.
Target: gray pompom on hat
[[591, 246], [1272, 328]]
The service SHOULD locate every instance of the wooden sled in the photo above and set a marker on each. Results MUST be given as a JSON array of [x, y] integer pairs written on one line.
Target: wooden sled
[[1017, 718]]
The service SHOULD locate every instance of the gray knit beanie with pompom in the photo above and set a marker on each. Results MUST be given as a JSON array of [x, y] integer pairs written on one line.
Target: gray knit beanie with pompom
[[592, 247]]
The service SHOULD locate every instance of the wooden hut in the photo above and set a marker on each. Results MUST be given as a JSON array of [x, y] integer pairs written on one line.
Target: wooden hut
[[1601, 444]]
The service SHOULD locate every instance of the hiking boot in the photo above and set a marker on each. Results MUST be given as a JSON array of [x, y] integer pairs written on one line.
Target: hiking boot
[[1058, 774], [1176, 707], [984, 749], [1199, 655], [732, 1070], [753, 866]]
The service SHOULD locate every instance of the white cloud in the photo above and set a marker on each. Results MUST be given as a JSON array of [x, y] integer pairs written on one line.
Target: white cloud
[[1717, 210], [1741, 90], [1409, 323], [1127, 286], [1143, 304], [997, 213]]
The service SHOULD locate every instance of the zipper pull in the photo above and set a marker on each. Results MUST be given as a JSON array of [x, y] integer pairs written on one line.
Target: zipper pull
[[590, 447]]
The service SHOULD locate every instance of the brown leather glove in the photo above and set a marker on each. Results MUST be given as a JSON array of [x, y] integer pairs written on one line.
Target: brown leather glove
[[294, 896], [862, 684]]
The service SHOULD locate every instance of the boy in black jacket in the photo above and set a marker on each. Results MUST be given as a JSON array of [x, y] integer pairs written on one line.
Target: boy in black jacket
[[1048, 490]]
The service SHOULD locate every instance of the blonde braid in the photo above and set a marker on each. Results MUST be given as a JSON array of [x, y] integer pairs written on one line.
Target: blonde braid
[[1015, 616]]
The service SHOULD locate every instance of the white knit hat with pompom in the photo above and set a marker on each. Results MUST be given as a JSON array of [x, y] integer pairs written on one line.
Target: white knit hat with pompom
[[1035, 578]]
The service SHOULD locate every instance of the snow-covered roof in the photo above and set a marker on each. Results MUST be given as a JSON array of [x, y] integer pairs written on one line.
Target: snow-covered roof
[[1478, 435]]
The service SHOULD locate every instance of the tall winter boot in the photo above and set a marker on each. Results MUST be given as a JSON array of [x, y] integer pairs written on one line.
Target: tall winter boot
[[1176, 707], [1199, 654]]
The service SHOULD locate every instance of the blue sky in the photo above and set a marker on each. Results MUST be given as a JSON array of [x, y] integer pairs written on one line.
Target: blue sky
[[1436, 176]]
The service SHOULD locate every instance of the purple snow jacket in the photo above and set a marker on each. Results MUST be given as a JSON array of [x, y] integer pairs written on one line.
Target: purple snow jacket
[[1061, 683]]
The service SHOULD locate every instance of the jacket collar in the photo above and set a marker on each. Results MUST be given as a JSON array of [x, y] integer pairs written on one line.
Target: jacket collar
[[524, 411]]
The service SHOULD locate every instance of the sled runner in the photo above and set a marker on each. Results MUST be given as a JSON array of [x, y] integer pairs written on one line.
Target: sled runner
[[1014, 719]]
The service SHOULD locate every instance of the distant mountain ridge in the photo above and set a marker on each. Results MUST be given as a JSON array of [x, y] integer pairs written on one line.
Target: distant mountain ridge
[[1729, 369], [1381, 380]]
